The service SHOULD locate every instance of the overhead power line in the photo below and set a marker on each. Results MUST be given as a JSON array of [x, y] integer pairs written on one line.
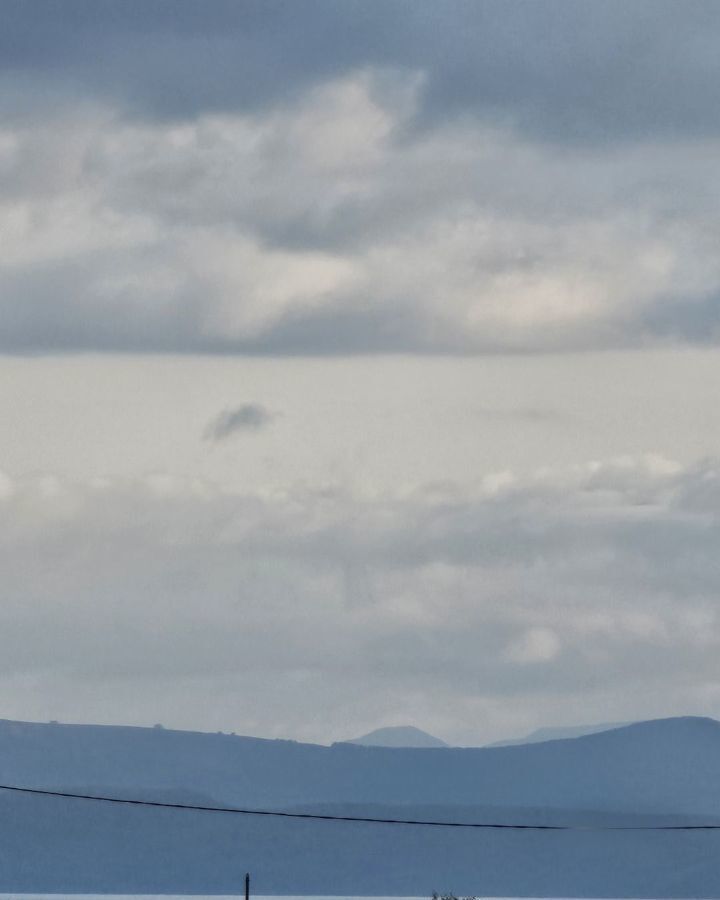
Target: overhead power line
[[368, 819]]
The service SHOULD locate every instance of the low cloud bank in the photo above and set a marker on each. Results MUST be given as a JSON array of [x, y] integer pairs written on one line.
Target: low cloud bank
[[521, 602]]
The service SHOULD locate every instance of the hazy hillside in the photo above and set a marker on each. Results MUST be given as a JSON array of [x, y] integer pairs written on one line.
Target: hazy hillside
[[667, 765], [651, 772]]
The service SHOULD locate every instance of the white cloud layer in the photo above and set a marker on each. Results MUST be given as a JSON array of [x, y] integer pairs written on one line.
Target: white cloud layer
[[576, 594], [332, 225]]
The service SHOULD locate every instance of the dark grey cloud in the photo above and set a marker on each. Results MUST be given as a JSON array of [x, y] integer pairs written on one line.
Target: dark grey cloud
[[564, 70], [697, 322], [453, 178], [244, 418]]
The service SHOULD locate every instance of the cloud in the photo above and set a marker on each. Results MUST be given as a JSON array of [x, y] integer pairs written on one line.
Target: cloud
[[536, 645], [330, 226], [247, 417], [559, 70], [536, 415], [550, 598], [324, 179]]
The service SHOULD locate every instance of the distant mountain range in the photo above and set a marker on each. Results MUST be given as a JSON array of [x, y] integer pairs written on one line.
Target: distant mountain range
[[559, 733], [658, 772], [398, 736], [409, 736]]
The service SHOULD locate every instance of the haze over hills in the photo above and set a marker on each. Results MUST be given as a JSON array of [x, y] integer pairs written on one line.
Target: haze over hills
[[409, 736], [554, 733], [398, 736], [657, 772]]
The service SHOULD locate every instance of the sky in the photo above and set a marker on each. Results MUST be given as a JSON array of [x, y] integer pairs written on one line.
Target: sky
[[359, 364]]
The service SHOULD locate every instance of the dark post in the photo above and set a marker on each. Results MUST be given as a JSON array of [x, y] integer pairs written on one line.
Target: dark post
[[247, 886]]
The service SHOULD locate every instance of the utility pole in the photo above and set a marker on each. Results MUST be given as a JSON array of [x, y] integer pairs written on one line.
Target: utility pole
[[247, 886]]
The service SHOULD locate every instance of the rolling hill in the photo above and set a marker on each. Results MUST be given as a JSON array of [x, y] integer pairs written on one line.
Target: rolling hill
[[657, 772]]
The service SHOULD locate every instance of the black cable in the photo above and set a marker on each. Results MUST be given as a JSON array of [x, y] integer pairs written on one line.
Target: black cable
[[368, 819]]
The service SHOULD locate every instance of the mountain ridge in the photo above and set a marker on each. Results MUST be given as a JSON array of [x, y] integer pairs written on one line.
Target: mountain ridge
[[640, 767], [555, 733]]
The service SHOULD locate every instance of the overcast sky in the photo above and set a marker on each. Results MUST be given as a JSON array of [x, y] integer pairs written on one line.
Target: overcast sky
[[359, 363]]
